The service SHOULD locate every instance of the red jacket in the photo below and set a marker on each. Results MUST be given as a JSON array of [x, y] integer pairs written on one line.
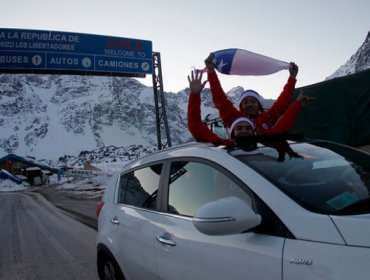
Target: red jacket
[[280, 118], [198, 129]]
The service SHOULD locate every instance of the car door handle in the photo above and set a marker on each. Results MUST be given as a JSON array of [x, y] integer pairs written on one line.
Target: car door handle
[[114, 220], [166, 241]]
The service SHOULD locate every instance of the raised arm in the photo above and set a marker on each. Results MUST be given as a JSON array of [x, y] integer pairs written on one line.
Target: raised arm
[[288, 119], [197, 128], [228, 112], [284, 99]]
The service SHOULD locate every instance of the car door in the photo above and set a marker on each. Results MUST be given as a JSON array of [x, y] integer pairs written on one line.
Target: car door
[[308, 260], [135, 210], [185, 253]]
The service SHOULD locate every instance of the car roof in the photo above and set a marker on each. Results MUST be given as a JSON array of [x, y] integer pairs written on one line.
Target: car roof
[[212, 151], [189, 149]]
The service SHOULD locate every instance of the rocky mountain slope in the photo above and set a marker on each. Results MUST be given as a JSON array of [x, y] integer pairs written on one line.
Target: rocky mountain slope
[[358, 62]]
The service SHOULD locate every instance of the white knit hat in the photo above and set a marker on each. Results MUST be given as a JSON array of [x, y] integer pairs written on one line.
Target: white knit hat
[[239, 120], [250, 92]]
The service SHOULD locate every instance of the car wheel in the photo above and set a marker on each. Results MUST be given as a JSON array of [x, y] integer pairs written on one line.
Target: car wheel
[[109, 270]]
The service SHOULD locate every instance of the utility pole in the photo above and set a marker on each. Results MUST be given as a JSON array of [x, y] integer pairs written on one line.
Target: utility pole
[[163, 132]]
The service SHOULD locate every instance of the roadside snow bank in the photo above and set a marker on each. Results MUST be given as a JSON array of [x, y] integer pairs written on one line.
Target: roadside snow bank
[[9, 186]]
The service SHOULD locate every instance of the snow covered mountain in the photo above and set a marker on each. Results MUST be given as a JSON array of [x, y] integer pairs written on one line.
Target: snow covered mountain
[[358, 62], [54, 116], [49, 116]]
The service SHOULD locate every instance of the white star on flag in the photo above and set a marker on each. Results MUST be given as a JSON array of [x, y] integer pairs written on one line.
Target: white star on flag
[[221, 65]]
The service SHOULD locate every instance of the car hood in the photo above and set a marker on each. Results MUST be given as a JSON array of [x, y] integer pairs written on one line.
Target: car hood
[[354, 229]]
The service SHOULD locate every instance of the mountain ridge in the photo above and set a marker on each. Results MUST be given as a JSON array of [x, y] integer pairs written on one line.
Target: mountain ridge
[[358, 62]]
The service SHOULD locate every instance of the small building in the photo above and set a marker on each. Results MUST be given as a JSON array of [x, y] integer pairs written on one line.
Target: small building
[[28, 167], [34, 176]]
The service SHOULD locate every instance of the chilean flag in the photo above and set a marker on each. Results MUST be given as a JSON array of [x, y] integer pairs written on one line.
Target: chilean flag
[[243, 62]]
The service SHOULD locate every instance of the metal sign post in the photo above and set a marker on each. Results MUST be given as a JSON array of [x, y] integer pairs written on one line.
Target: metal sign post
[[163, 132]]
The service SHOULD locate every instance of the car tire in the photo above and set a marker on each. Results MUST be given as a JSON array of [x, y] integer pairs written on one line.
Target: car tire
[[108, 269]]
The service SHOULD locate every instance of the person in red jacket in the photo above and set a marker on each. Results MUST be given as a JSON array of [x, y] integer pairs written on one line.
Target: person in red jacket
[[250, 104], [241, 126]]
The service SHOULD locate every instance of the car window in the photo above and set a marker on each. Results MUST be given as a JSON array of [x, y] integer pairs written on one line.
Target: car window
[[330, 180], [140, 187], [193, 184]]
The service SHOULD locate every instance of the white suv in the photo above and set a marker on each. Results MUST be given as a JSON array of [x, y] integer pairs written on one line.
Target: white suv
[[276, 211]]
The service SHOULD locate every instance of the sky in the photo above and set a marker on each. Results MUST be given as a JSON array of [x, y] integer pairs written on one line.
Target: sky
[[318, 35]]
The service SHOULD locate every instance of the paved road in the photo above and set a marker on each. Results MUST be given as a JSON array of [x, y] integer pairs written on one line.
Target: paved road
[[80, 206], [39, 241]]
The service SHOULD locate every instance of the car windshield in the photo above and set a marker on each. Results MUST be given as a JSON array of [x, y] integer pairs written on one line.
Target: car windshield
[[322, 177]]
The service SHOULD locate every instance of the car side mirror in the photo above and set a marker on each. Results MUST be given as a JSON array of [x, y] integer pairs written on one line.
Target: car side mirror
[[229, 215]]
